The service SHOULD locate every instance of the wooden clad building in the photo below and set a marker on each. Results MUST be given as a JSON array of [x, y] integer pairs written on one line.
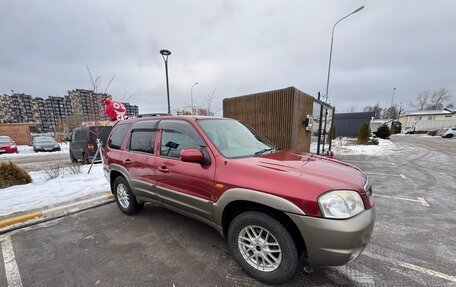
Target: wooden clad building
[[278, 115], [20, 133]]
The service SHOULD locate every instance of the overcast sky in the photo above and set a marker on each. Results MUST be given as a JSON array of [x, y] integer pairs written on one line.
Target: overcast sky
[[235, 47]]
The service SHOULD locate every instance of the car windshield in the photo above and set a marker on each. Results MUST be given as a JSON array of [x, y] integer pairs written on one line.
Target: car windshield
[[44, 140], [233, 139], [5, 139]]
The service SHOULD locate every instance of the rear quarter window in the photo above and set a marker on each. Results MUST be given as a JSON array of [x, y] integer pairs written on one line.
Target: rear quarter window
[[79, 135], [117, 135]]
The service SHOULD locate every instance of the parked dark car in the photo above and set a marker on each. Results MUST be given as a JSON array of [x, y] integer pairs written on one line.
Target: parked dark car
[[83, 142], [45, 143], [275, 207]]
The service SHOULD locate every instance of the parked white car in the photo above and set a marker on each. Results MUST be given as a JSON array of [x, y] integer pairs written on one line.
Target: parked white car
[[448, 133]]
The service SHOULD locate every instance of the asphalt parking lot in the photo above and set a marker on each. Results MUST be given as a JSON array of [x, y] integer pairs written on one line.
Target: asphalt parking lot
[[414, 241]]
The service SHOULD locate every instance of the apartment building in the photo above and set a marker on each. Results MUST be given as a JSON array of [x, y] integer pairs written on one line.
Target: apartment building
[[132, 110], [50, 112]]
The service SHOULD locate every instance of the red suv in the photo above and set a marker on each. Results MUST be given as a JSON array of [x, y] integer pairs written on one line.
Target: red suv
[[276, 208]]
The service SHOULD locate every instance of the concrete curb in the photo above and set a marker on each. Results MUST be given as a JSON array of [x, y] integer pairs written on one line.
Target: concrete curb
[[56, 211]]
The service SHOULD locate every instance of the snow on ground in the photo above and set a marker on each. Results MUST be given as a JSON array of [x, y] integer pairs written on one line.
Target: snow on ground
[[346, 146], [26, 150], [44, 192], [349, 146]]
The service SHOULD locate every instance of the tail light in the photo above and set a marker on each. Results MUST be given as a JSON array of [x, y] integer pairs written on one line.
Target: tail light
[[90, 146]]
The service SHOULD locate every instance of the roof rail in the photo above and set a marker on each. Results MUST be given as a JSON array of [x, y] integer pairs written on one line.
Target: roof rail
[[153, 115]]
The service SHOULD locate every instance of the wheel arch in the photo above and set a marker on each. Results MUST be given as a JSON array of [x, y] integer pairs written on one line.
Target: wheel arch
[[115, 171], [237, 207], [237, 200]]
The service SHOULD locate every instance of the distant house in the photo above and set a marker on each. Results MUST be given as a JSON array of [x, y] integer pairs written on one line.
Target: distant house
[[427, 120], [348, 124], [409, 118]]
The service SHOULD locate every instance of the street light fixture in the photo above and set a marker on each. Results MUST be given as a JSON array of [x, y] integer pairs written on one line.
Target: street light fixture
[[165, 54], [332, 40], [191, 95]]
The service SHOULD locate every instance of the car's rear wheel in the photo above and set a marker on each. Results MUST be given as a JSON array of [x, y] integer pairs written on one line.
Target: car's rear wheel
[[449, 136], [263, 247], [125, 199], [85, 158]]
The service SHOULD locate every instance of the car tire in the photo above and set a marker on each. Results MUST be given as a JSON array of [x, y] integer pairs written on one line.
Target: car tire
[[85, 159], [255, 234], [72, 158], [449, 136], [125, 199]]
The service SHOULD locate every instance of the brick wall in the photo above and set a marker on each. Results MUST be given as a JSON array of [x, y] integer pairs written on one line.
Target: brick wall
[[20, 133]]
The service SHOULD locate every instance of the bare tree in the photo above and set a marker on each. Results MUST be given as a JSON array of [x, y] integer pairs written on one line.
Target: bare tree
[[95, 85], [205, 108], [376, 109], [421, 100], [391, 112], [66, 125], [438, 99], [352, 109]]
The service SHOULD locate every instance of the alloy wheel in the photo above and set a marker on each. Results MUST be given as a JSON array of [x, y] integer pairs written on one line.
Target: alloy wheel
[[259, 248], [122, 195]]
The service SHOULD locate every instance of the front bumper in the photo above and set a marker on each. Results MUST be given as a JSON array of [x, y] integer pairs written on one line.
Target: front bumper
[[331, 242]]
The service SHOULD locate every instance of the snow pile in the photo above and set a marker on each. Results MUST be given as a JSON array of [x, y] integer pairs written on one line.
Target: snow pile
[[44, 192], [347, 146]]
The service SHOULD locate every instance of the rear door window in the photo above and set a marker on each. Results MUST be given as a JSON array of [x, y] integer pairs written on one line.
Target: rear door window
[[142, 138], [118, 135]]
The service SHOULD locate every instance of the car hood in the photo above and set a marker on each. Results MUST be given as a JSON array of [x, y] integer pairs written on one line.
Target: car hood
[[322, 171]]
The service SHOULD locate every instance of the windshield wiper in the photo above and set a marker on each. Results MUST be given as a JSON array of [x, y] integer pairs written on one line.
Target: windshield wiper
[[260, 152]]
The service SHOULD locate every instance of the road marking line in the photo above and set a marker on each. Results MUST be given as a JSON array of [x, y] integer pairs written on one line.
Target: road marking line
[[395, 197], [13, 277], [393, 163], [403, 176], [386, 174], [412, 267], [423, 202]]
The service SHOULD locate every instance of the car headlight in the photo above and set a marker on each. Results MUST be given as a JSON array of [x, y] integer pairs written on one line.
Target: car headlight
[[13, 146], [341, 204], [38, 146], [56, 145]]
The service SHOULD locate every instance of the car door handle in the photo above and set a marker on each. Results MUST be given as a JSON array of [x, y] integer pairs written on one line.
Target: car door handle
[[127, 161], [163, 169]]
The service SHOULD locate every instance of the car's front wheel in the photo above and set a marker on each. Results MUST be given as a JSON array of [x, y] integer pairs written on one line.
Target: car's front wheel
[[263, 247], [125, 199], [73, 159]]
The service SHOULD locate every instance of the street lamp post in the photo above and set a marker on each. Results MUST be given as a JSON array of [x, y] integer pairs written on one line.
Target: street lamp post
[[191, 95], [165, 54], [330, 50]]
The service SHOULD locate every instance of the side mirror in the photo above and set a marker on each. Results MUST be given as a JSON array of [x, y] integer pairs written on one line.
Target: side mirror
[[191, 155], [67, 139]]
